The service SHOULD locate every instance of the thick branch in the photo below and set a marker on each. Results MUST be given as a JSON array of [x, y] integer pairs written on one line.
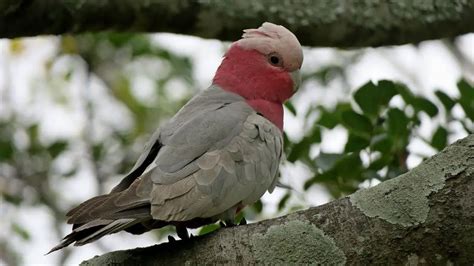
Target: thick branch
[[424, 216], [316, 23]]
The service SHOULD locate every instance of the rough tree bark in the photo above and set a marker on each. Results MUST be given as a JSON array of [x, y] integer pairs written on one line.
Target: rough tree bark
[[337, 23], [425, 216]]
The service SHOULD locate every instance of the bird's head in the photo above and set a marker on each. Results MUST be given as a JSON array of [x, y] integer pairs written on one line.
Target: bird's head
[[263, 65]]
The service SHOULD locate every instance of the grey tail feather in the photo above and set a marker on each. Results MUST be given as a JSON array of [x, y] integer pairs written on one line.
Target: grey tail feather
[[73, 237], [113, 227], [64, 243], [85, 234]]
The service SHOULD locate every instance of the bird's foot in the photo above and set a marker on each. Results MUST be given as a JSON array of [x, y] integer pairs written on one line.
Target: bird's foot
[[171, 239], [227, 223], [243, 221], [182, 232]]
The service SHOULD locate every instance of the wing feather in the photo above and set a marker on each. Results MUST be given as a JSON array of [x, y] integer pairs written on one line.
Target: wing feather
[[239, 172]]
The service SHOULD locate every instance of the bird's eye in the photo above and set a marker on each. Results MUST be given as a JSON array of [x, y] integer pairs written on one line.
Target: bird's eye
[[275, 60]]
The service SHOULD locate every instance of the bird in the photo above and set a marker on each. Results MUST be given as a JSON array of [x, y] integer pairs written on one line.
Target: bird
[[219, 153]]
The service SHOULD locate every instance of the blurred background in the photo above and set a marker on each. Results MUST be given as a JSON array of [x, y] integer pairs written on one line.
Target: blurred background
[[76, 111]]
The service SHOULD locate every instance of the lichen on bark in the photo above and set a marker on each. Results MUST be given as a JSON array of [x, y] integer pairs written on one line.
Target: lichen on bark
[[404, 200], [296, 242]]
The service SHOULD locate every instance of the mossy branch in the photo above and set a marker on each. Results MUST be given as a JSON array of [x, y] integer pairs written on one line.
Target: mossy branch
[[423, 216], [336, 23]]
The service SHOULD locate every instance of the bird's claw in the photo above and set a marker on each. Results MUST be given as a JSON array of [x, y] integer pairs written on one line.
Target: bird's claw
[[243, 221], [172, 239], [182, 232], [227, 224]]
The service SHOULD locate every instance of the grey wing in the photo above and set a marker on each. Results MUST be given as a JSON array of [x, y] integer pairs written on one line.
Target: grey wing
[[175, 134], [235, 171]]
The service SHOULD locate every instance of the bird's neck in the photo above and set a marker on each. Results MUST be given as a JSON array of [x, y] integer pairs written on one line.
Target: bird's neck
[[270, 110]]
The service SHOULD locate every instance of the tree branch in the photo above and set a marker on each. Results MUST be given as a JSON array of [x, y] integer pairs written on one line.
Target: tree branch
[[337, 23], [426, 211]]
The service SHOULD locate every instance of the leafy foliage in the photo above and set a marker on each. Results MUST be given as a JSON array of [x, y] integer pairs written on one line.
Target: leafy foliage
[[378, 134]]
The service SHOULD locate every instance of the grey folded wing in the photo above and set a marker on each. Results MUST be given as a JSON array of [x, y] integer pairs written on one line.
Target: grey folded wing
[[213, 160]]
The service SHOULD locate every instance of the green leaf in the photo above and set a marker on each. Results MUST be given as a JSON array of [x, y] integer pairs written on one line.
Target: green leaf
[[57, 148], [331, 118], [208, 229], [308, 183], [13, 199], [397, 122], [440, 138], [467, 98], [71, 172], [326, 74], [419, 103], [373, 98], [326, 161], [283, 201], [381, 162], [35, 146], [327, 176], [357, 123], [238, 218], [257, 206], [355, 143], [299, 150], [6, 150], [328, 119], [426, 106], [302, 148], [370, 174], [447, 102], [20, 231], [406, 94], [349, 166], [365, 98], [287, 143], [97, 151], [290, 107], [381, 143]]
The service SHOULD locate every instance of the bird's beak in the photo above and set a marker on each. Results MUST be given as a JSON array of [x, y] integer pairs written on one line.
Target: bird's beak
[[296, 77]]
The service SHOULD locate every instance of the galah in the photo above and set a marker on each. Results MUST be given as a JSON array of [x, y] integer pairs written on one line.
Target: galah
[[218, 154]]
